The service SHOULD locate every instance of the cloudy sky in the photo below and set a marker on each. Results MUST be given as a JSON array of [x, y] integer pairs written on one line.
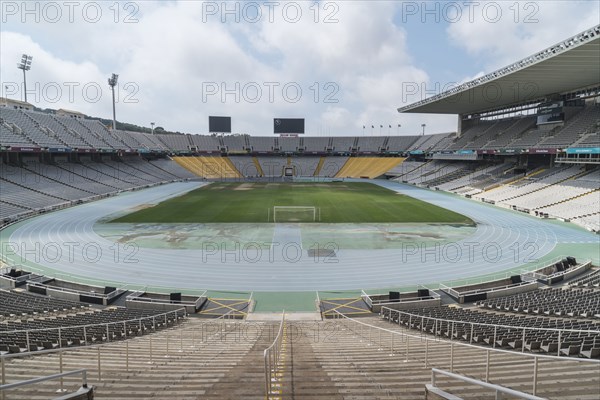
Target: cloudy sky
[[341, 65]]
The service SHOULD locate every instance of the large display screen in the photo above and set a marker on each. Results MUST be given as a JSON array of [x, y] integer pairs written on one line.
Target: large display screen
[[219, 124], [288, 125]]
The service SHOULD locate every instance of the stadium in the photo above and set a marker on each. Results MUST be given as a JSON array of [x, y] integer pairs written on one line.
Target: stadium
[[151, 264]]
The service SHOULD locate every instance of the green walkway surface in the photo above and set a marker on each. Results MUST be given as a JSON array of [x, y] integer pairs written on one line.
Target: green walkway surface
[[288, 301]]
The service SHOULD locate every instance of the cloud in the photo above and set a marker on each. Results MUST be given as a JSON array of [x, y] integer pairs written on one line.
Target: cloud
[[341, 65], [520, 28]]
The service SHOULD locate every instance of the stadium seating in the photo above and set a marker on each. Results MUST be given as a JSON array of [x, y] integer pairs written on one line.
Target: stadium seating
[[172, 168], [233, 143], [434, 172], [47, 130], [533, 182], [401, 144], [519, 126], [470, 134], [329, 167], [261, 144], [371, 144], [209, 167], [549, 335], [246, 166], [591, 280], [589, 140], [344, 144], [305, 166], [42, 317], [558, 193], [207, 359], [93, 131], [17, 305], [582, 123], [27, 126], [590, 222], [210, 143], [288, 144], [70, 138], [316, 144], [371, 167], [11, 136], [471, 182], [366, 358], [8, 211], [554, 302], [273, 166], [175, 142], [34, 186]]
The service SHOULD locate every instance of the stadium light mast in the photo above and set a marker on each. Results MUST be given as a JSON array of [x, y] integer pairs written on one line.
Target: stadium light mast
[[152, 127], [25, 65], [112, 82], [423, 126]]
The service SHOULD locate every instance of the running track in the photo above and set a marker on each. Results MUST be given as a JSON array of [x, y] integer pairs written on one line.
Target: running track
[[66, 242]]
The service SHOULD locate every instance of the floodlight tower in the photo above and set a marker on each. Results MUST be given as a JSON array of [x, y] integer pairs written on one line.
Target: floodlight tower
[[423, 126], [25, 65], [112, 82], [152, 125]]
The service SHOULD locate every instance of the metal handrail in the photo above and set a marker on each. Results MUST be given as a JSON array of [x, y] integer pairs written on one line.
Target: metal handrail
[[526, 268], [271, 356], [60, 329], [458, 343], [499, 389], [83, 373], [108, 296], [436, 340], [453, 321]]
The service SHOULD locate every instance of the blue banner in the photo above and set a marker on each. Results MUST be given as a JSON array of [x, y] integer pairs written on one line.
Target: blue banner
[[584, 150]]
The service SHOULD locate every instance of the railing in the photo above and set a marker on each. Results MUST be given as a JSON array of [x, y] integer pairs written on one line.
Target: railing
[[453, 325], [231, 314], [205, 333], [136, 297], [477, 280], [396, 337], [497, 388], [366, 298], [524, 269], [533, 274], [6, 270], [60, 376], [42, 273], [271, 356], [456, 294], [538, 276], [447, 289], [107, 296], [370, 301], [105, 327]]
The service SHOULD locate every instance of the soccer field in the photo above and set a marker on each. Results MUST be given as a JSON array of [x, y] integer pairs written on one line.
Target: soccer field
[[337, 202]]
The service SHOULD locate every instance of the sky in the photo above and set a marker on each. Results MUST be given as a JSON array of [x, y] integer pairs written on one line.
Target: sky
[[342, 65]]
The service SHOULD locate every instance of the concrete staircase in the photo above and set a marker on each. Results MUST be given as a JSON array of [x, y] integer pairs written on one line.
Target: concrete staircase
[[333, 359], [198, 359], [338, 360]]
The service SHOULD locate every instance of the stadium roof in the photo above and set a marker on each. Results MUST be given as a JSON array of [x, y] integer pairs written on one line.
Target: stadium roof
[[570, 65]]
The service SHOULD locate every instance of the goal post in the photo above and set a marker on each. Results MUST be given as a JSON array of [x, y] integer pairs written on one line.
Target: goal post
[[296, 214]]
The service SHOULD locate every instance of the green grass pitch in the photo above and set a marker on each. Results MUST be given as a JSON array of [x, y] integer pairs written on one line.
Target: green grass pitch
[[338, 202]]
